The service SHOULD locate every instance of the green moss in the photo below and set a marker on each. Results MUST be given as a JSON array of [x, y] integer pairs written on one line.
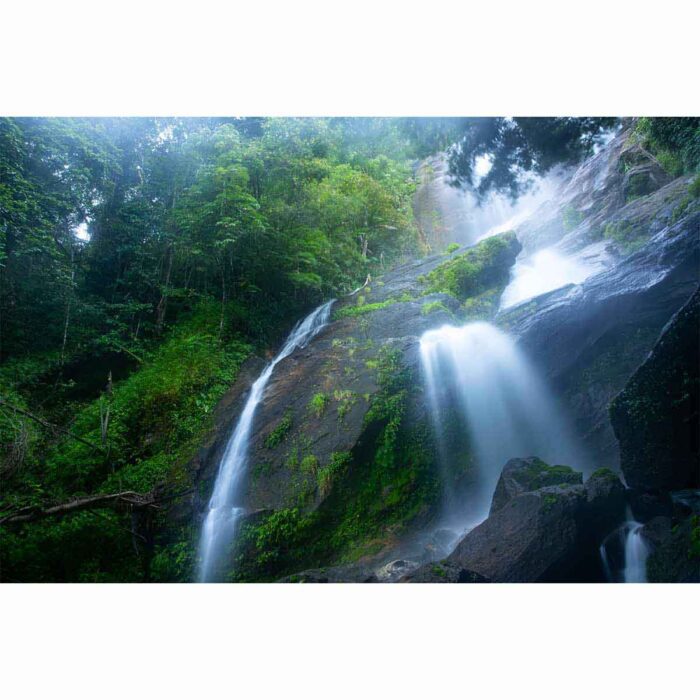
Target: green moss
[[309, 465], [327, 475], [431, 306], [484, 266], [571, 218], [627, 236], [318, 404], [351, 311], [438, 570], [694, 188], [604, 472], [452, 248], [549, 500], [280, 432], [346, 400], [481, 306], [539, 474]]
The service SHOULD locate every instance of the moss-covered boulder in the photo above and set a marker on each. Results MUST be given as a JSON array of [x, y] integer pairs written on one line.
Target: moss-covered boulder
[[656, 417], [529, 474], [545, 525], [479, 269]]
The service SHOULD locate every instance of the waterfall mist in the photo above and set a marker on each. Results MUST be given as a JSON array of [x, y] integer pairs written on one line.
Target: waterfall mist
[[224, 511], [477, 376], [543, 271]]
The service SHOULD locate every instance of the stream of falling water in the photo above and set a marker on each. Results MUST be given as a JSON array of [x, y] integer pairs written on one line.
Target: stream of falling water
[[479, 372], [624, 553], [225, 510]]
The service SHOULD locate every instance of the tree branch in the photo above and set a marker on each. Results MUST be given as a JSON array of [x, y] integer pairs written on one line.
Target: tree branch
[[48, 425], [124, 500], [119, 501]]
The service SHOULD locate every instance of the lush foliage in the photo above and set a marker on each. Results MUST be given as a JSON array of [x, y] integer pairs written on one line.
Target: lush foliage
[[475, 271], [675, 141], [140, 261]]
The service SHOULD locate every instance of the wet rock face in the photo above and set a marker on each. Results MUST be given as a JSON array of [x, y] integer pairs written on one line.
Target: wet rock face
[[595, 192], [676, 557], [538, 533], [656, 417], [341, 449], [621, 211], [534, 534], [589, 339]]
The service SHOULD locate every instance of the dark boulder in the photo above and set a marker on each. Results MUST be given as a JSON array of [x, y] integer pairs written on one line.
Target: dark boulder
[[676, 556], [530, 474], [545, 525], [531, 539], [656, 417], [606, 500]]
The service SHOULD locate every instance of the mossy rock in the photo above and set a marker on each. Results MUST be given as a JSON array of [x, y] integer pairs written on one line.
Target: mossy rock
[[530, 474]]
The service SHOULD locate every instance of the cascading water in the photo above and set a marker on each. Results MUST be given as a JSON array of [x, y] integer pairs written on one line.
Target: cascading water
[[224, 511], [546, 270], [478, 372], [624, 553]]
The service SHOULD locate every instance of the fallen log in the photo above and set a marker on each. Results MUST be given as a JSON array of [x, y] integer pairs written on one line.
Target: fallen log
[[124, 500]]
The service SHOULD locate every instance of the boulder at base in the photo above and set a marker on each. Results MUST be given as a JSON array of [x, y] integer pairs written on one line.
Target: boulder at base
[[550, 532]]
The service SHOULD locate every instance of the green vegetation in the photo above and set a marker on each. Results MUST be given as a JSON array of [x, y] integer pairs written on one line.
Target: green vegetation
[[362, 309], [318, 404], [309, 464], [674, 141], [484, 266], [279, 433], [346, 400], [539, 474], [694, 188], [141, 261], [144, 430], [572, 218], [604, 473], [628, 236], [452, 248], [438, 570], [350, 311], [430, 306], [367, 496], [340, 461]]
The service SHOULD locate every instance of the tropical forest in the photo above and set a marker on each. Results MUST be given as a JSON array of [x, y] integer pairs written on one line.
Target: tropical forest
[[349, 349]]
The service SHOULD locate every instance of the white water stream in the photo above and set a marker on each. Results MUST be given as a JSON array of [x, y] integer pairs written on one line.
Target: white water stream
[[225, 510], [504, 405], [624, 553]]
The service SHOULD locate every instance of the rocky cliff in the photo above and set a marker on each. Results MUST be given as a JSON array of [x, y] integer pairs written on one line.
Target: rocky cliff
[[344, 479]]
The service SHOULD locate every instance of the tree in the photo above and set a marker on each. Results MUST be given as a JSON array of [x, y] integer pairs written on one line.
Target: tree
[[520, 147]]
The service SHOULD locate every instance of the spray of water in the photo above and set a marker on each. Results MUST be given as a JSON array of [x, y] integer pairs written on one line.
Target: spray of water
[[225, 511], [504, 405], [544, 271]]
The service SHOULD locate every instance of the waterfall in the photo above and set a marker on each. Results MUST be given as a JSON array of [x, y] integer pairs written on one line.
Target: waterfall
[[224, 510], [477, 373], [624, 553], [546, 270]]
